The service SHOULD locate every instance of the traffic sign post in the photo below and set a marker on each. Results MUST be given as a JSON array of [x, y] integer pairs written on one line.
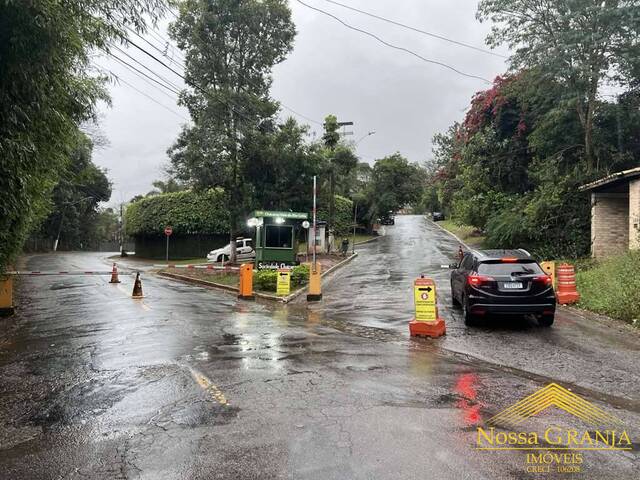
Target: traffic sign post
[[426, 321], [168, 231]]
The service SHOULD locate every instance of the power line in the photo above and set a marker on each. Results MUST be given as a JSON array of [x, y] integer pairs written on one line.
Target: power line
[[434, 35], [299, 114], [406, 50], [144, 74], [168, 82], [120, 79], [144, 77], [162, 52], [240, 75], [204, 91], [164, 41]]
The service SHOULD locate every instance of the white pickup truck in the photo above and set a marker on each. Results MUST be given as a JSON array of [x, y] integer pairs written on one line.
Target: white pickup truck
[[244, 251]]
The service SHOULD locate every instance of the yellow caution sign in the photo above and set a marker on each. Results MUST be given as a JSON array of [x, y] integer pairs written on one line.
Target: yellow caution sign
[[550, 269], [284, 282], [424, 294]]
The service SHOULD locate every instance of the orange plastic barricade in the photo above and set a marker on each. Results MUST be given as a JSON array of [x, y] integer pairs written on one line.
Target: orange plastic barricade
[[567, 291], [427, 322]]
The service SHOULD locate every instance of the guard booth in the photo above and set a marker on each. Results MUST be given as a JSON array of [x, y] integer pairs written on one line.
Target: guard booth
[[276, 245]]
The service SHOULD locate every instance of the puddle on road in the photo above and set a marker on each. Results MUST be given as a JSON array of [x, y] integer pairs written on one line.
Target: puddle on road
[[66, 286]]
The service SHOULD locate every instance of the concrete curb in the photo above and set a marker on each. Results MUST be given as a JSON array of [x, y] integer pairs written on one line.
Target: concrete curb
[[266, 296], [198, 281], [218, 286], [370, 240], [450, 233]]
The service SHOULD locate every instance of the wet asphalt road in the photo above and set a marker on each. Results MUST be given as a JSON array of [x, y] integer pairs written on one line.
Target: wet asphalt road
[[191, 383]]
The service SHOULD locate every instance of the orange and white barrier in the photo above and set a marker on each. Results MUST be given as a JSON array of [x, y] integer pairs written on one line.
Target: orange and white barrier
[[566, 291], [60, 272]]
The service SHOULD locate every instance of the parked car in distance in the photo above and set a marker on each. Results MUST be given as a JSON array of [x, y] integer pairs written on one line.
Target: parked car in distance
[[244, 251], [388, 220], [437, 216], [488, 282]]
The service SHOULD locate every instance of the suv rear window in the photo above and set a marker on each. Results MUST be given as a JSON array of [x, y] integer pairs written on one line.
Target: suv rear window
[[503, 268]]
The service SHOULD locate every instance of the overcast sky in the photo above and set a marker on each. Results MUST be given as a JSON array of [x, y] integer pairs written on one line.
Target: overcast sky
[[331, 70]]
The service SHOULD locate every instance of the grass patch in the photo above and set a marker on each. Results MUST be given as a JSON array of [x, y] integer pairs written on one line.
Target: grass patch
[[611, 286], [223, 278], [188, 261], [466, 233]]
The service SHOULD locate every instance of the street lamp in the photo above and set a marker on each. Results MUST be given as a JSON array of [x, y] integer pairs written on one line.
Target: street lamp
[[365, 136]]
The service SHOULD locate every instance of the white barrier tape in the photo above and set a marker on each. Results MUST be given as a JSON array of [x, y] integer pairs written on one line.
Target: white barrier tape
[[69, 272], [200, 267]]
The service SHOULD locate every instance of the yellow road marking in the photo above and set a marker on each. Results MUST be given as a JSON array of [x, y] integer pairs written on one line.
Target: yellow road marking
[[144, 306], [209, 387]]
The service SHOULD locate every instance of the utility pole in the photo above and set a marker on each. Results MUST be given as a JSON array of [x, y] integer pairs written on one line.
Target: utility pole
[[355, 222], [121, 230], [314, 223]]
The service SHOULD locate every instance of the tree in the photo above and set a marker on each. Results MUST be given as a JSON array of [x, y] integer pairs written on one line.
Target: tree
[[581, 42], [395, 183], [280, 167], [171, 185], [340, 161], [73, 218], [230, 48], [512, 168], [46, 91]]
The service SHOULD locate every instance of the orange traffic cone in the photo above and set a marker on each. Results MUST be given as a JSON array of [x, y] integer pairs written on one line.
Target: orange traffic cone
[[567, 292], [137, 287], [114, 275]]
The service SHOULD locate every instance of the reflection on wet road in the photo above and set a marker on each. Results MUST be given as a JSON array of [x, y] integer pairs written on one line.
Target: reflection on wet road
[[191, 383]]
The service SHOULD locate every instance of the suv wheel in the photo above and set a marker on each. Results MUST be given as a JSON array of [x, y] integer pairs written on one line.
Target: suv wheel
[[545, 320], [454, 300], [469, 318]]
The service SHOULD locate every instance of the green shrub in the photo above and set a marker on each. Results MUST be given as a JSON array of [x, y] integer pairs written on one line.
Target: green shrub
[[299, 275], [266, 280], [342, 215], [188, 212], [612, 287]]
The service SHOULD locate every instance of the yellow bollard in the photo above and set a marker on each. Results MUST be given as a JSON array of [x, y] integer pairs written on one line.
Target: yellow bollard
[[6, 296], [550, 269], [315, 283], [246, 282]]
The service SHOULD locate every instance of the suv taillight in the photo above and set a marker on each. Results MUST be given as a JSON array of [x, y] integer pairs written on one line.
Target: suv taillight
[[477, 280], [546, 280]]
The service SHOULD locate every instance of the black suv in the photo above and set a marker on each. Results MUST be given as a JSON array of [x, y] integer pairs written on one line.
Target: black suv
[[502, 281]]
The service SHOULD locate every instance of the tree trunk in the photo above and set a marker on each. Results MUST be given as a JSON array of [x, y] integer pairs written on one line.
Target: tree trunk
[[234, 197], [588, 124]]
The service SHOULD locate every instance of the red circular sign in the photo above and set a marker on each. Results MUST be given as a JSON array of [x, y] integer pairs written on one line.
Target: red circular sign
[[168, 231]]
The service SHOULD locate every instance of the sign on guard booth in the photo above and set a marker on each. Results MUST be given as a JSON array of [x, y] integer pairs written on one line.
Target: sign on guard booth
[[426, 322]]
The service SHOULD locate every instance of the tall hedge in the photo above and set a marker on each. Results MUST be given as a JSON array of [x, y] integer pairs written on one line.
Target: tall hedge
[[188, 212], [342, 215]]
